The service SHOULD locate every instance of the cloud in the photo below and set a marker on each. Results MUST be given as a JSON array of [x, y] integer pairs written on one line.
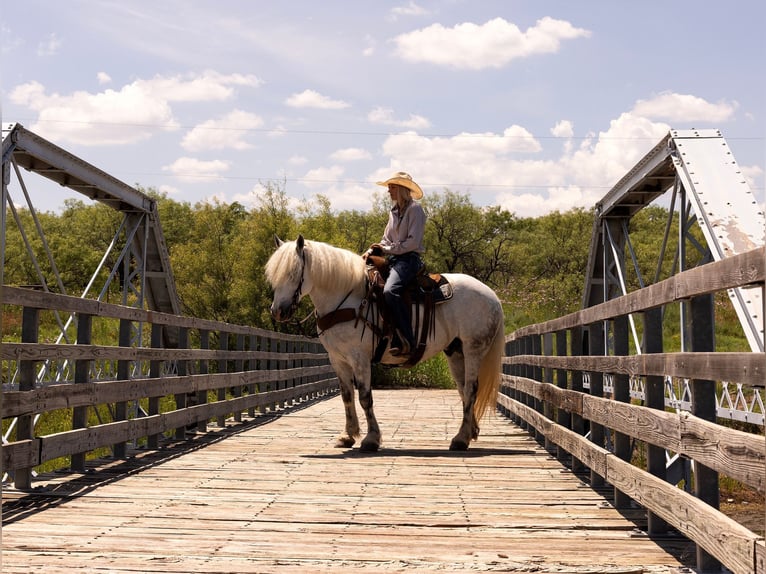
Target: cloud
[[189, 169], [205, 87], [312, 99], [103, 78], [410, 9], [128, 115], [226, 132], [50, 46], [385, 116], [491, 45], [563, 129], [684, 108], [513, 170], [350, 154]]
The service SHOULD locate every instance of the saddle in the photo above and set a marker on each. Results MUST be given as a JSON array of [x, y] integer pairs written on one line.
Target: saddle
[[425, 291]]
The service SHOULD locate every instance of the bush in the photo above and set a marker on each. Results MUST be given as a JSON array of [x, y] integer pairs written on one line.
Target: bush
[[431, 374]]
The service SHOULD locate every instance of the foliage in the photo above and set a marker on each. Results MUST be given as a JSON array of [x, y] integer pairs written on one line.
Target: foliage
[[537, 266]]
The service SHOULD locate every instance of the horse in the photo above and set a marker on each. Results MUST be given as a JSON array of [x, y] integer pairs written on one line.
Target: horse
[[468, 328]]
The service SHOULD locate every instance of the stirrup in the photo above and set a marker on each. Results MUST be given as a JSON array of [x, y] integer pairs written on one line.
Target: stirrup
[[403, 349]]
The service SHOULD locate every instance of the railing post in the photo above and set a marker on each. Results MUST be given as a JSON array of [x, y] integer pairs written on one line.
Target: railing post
[[119, 449], [563, 417], [30, 328], [223, 367], [704, 407], [155, 368], [81, 375], [548, 379], [655, 399], [622, 448], [536, 374], [578, 424], [183, 369], [596, 348], [236, 391], [251, 366], [263, 365], [204, 369], [524, 371]]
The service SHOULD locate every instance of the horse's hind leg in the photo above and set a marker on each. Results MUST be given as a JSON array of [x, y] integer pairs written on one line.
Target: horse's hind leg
[[347, 438], [466, 375]]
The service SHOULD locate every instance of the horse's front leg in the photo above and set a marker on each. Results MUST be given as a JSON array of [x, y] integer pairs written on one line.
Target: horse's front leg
[[371, 442], [348, 437]]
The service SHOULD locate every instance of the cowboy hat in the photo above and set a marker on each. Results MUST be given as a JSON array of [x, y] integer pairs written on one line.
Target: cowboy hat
[[405, 180]]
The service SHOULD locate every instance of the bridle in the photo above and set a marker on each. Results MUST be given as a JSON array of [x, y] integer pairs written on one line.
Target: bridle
[[297, 294]]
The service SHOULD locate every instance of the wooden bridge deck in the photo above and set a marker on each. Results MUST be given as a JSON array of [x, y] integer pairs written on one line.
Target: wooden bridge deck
[[277, 497]]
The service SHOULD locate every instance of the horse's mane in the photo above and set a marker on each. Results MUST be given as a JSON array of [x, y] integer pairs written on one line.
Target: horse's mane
[[331, 268]]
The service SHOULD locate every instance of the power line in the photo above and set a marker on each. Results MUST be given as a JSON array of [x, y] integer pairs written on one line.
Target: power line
[[280, 130]]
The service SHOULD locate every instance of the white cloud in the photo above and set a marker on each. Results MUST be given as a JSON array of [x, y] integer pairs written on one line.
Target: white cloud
[[563, 129], [50, 46], [297, 160], [684, 108], [103, 78], [226, 132], [106, 118], [321, 176], [410, 9], [350, 154], [313, 99], [495, 169], [194, 170], [385, 116], [128, 115], [490, 45], [205, 87]]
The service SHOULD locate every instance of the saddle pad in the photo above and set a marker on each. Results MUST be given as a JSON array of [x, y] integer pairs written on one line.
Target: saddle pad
[[437, 285]]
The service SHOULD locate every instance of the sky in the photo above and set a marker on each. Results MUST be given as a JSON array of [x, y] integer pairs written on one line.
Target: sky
[[532, 106]]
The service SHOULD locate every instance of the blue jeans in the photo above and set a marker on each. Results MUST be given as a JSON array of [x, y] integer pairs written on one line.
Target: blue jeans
[[404, 268]]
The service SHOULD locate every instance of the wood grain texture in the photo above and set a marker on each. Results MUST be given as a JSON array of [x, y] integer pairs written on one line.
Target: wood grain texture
[[274, 495]]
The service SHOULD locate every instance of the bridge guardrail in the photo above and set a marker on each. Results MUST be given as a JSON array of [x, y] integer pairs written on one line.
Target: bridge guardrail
[[144, 392], [542, 389]]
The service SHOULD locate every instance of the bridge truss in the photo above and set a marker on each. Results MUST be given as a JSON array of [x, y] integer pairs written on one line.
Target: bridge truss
[[715, 215], [141, 262]]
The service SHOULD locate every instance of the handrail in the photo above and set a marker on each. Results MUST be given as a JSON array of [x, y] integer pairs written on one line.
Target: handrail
[[592, 429], [174, 391]]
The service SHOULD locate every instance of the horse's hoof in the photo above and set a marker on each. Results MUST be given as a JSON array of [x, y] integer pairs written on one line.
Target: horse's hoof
[[344, 442], [458, 444], [369, 447]]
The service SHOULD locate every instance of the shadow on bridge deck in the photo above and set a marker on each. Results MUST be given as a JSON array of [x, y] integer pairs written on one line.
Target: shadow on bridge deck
[[272, 494]]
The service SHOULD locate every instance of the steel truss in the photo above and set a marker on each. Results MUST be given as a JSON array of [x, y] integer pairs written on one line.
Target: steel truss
[[716, 216], [142, 262]]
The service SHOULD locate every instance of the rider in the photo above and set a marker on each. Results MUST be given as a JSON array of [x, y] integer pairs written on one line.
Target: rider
[[403, 244]]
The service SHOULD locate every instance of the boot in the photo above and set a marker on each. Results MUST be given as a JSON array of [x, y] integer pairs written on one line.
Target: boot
[[400, 346]]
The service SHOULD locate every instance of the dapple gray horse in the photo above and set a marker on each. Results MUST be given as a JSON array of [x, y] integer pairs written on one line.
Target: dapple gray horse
[[468, 328]]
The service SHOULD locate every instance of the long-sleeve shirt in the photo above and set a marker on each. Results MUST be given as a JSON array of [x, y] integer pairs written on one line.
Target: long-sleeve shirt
[[404, 230]]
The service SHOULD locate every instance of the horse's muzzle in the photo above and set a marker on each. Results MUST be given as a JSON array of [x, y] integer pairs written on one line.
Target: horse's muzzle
[[281, 313]]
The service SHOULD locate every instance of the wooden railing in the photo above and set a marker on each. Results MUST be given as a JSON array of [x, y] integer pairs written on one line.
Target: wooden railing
[[144, 392], [543, 390]]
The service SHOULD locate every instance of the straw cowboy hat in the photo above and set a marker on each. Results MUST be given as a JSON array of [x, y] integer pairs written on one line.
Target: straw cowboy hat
[[405, 180]]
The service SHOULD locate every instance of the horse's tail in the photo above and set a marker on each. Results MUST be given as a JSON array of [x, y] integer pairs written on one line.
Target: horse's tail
[[489, 373]]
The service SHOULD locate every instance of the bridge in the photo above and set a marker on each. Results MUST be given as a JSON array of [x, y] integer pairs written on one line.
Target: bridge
[[212, 447]]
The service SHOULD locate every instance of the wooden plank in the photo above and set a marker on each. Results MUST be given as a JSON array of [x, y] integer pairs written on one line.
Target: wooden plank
[[746, 368], [737, 454], [44, 399], [736, 271], [279, 497]]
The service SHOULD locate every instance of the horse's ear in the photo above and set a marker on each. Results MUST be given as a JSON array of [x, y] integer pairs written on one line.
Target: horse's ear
[[277, 241], [299, 243]]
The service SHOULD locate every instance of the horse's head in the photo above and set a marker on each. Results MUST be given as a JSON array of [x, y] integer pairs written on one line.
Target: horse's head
[[285, 271]]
